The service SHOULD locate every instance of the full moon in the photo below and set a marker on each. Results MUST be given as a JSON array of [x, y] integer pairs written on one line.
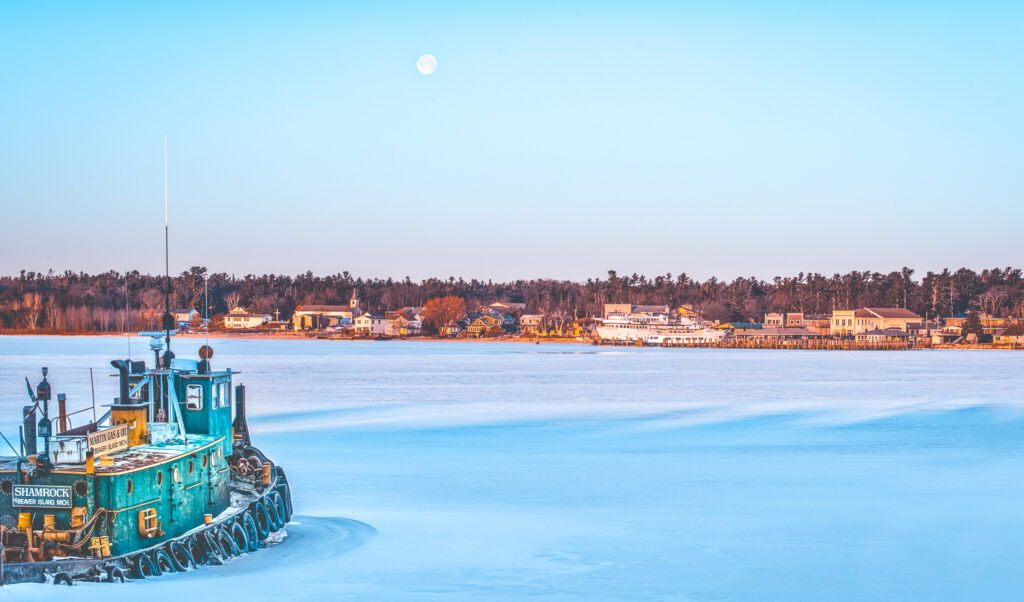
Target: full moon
[[426, 64]]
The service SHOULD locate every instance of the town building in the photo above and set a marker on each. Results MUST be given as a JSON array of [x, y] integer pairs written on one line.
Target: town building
[[453, 328], [370, 325], [1012, 335], [530, 324], [989, 324], [317, 317], [733, 327], [819, 323], [777, 334], [183, 317], [586, 326], [508, 307], [407, 321], [786, 320], [239, 318], [485, 326], [687, 311], [851, 322], [624, 309], [883, 335], [619, 309]]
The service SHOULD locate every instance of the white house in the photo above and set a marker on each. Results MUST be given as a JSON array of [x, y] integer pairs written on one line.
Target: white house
[[530, 323], [401, 325], [239, 318], [370, 324], [183, 317]]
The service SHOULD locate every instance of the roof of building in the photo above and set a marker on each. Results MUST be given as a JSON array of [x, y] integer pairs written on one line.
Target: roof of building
[[653, 309], [893, 312], [508, 304], [182, 310], [324, 308], [1017, 330], [781, 332], [887, 332], [857, 313], [741, 325]]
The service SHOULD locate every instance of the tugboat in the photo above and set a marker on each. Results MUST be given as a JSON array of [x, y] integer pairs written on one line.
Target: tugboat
[[165, 481]]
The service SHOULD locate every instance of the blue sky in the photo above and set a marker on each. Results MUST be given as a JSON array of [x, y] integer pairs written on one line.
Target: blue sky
[[713, 138]]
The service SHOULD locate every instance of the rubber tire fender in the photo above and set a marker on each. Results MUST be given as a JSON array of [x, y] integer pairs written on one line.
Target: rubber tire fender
[[162, 560], [250, 528], [115, 573], [195, 550], [282, 508], [143, 564], [63, 578], [275, 519], [180, 556], [227, 543], [287, 493], [285, 489], [238, 531], [211, 546], [262, 526]]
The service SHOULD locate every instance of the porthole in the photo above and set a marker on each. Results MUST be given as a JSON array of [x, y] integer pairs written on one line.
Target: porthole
[[191, 466], [81, 488], [6, 486], [159, 478], [206, 460], [176, 475], [131, 486]]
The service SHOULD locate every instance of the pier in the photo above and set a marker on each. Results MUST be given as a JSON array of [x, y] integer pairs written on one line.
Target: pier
[[801, 344]]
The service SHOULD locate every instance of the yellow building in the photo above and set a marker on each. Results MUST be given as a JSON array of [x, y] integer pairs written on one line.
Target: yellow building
[[846, 322]]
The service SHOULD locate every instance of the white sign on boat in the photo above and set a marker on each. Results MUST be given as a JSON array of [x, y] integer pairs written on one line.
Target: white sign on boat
[[109, 441]]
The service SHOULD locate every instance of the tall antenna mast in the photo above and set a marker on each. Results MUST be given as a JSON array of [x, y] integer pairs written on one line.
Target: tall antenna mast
[[167, 262], [127, 327], [206, 303]]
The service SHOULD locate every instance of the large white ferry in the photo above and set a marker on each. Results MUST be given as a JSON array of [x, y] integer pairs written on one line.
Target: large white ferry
[[657, 329]]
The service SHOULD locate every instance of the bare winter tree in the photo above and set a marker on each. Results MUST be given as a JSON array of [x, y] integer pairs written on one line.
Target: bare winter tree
[[231, 300], [992, 300]]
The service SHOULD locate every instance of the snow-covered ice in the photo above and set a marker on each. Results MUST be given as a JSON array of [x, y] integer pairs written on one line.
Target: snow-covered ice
[[450, 471]]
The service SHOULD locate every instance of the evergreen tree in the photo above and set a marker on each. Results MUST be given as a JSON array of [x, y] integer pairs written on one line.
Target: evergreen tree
[[973, 325]]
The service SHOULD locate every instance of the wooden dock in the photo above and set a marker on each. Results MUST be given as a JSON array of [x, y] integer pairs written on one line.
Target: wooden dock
[[796, 344]]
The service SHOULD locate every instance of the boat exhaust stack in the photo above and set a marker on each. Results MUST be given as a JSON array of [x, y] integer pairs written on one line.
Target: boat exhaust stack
[[122, 372]]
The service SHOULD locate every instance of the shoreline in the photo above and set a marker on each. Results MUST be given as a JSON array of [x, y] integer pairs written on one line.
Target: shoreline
[[293, 335]]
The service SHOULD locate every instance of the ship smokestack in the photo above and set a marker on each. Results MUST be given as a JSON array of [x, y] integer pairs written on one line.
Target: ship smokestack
[[122, 369]]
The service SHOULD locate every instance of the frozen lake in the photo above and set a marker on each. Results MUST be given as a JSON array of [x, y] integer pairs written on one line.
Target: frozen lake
[[476, 471]]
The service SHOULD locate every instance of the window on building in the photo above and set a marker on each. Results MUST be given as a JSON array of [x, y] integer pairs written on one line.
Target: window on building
[[194, 397]]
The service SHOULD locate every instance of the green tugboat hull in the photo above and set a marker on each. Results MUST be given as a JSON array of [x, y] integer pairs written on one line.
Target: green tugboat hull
[[243, 527]]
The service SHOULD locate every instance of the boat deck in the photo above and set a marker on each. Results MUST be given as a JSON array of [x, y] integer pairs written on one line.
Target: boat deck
[[135, 458]]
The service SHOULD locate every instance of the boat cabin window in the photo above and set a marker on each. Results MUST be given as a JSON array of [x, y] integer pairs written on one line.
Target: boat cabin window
[[224, 393], [194, 397]]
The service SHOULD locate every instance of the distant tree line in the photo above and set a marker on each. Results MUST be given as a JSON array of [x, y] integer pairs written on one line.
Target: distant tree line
[[79, 302]]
